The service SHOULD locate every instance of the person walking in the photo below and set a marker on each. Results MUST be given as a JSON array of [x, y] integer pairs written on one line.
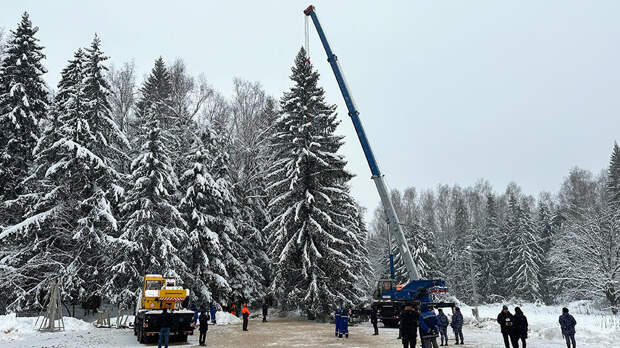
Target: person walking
[[505, 321], [443, 327], [164, 332], [265, 311], [567, 323], [374, 320], [344, 323], [519, 328], [429, 328], [203, 319], [213, 310], [233, 310], [457, 325], [246, 316], [409, 326], [337, 320]]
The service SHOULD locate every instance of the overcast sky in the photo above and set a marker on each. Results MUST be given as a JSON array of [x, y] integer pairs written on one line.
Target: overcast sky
[[448, 91]]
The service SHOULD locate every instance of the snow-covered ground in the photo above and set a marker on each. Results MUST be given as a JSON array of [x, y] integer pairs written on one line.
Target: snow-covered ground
[[594, 329]]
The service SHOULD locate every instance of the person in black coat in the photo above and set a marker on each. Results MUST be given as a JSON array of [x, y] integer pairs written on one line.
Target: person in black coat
[[203, 319], [409, 326], [374, 320], [505, 320], [567, 323], [265, 311], [519, 330]]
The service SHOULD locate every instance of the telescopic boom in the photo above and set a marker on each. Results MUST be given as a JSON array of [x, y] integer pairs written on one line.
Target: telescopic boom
[[393, 222]]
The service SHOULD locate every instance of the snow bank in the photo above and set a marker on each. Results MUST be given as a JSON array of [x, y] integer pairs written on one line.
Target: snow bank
[[13, 327], [225, 318], [594, 327]]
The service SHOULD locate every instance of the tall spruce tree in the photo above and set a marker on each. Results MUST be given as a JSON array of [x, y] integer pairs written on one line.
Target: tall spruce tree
[[308, 182], [525, 257], [613, 178], [23, 105], [154, 239], [201, 206]]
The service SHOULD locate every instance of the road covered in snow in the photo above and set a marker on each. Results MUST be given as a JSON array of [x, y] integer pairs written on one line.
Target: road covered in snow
[[593, 330]]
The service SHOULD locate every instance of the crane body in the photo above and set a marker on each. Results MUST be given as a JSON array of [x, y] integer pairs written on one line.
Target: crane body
[[389, 297]]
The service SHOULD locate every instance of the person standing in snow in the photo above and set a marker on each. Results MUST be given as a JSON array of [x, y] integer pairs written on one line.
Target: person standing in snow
[[505, 320], [519, 328], [164, 332], [429, 329], [204, 326], [337, 320], [409, 326], [213, 311], [457, 325], [265, 311], [344, 323], [374, 320], [246, 316], [567, 323], [443, 327]]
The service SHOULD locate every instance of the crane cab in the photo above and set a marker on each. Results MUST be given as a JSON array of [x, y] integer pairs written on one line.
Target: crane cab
[[160, 293]]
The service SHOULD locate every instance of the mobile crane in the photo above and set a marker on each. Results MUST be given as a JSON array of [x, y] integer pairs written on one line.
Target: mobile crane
[[389, 297]]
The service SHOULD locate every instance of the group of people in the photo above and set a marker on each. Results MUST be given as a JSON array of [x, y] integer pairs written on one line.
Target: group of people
[[514, 327], [341, 320], [202, 317], [429, 325]]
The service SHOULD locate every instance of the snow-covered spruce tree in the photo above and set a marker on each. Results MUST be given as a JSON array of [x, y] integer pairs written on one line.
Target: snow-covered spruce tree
[[23, 105], [65, 235], [545, 232], [244, 275], [201, 207], [311, 264], [525, 257], [153, 239], [488, 272], [613, 178]]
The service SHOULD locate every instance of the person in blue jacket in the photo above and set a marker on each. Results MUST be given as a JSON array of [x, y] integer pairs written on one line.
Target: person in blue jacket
[[196, 313], [337, 320], [344, 323], [429, 328], [443, 327], [567, 323], [457, 325], [213, 310]]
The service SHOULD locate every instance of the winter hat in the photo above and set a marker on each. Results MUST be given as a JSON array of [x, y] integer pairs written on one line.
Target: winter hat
[[457, 309], [440, 310], [517, 310], [564, 310], [504, 307]]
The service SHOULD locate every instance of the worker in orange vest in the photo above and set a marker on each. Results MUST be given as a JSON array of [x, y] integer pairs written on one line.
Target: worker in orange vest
[[246, 315]]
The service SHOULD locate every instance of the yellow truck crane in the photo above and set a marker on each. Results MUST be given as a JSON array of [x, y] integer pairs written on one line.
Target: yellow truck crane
[[160, 293]]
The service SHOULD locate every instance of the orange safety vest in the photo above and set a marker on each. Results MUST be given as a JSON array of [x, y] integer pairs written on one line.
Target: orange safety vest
[[245, 310]]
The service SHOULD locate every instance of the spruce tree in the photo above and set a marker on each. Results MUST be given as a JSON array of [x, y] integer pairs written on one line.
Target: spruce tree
[[307, 181], [23, 105], [525, 258], [545, 233], [613, 178], [201, 206], [154, 239]]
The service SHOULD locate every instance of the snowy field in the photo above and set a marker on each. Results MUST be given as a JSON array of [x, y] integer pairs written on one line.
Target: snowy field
[[593, 330]]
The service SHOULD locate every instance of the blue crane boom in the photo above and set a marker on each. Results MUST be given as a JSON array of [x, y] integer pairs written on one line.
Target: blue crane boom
[[393, 222]]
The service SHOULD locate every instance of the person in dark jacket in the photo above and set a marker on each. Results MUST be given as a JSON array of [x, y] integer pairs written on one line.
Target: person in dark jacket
[[213, 310], [164, 332], [567, 323], [203, 319], [443, 327], [519, 329], [265, 311], [429, 328], [374, 320], [409, 326], [505, 320], [457, 325]]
